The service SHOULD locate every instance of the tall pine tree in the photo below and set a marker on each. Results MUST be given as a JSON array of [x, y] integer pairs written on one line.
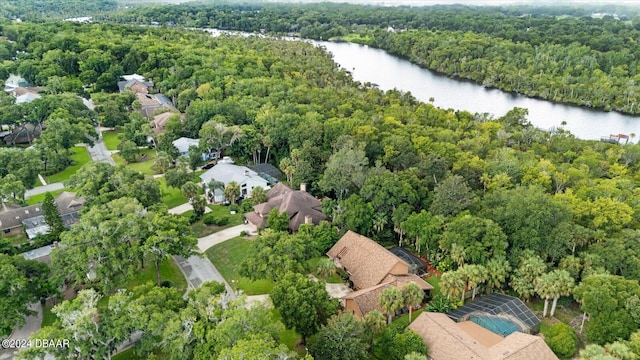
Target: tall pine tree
[[52, 217]]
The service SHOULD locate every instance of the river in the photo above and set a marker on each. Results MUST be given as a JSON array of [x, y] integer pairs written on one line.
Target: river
[[376, 66]]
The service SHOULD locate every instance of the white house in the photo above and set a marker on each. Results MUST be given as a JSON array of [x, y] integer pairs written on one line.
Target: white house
[[226, 173]]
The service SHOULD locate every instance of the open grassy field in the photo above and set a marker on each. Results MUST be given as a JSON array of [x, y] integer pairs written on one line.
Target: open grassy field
[[227, 257], [79, 157]]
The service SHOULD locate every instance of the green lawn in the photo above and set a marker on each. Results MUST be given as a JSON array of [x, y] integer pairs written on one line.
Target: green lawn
[[169, 270], [143, 165], [435, 282], [221, 210], [288, 337], [404, 319], [35, 199], [227, 257], [312, 265], [48, 318], [111, 139], [79, 157], [170, 195], [18, 239]]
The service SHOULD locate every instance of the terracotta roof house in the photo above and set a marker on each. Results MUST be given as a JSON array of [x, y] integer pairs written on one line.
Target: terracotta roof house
[[371, 268], [227, 172], [301, 207], [31, 218], [448, 340]]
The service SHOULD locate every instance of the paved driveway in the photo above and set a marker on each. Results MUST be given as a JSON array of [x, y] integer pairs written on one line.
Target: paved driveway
[[208, 241], [43, 189]]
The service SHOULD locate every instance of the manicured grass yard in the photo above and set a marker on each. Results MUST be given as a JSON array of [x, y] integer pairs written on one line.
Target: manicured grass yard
[[288, 337], [79, 157], [111, 139], [143, 165], [35, 199], [221, 210], [170, 195], [227, 257], [48, 318], [404, 319], [435, 282], [169, 271]]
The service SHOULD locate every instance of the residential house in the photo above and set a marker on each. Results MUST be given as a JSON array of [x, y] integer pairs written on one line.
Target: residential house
[[227, 172], [30, 219], [448, 340], [160, 120], [136, 84], [301, 207], [14, 82], [184, 144], [371, 268], [268, 171], [27, 97], [152, 103]]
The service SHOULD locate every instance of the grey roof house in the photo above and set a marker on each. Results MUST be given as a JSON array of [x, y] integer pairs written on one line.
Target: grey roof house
[[31, 218], [227, 172]]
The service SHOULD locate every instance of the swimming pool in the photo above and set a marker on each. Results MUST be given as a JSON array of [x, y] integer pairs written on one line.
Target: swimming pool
[[494, 324]]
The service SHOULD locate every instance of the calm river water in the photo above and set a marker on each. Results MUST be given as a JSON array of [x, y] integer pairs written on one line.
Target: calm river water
[[368, 64]]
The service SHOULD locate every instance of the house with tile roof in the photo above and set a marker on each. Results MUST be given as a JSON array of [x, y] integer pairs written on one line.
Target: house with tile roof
[[448, 340], [371, 268], [300, 206]]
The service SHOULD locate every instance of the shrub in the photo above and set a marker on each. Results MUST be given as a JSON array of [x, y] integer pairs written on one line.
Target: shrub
[[234, 207], [221, 221], [209, 219], [562, 340], [440, 304], [243, 233]]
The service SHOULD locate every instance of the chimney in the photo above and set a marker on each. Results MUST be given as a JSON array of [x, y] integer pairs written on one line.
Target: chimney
[[303, 187], [246, 173], [308, 220]]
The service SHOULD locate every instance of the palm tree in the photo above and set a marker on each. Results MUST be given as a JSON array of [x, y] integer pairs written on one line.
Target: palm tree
[[545, 287], [391, 301], [498, 269], [458, 254], [474, 275], [258, 195], [232, 191], [325, 267], [162, 161], [375, 322], [190, 189], [452, 284], [412, 295], [564, 285]]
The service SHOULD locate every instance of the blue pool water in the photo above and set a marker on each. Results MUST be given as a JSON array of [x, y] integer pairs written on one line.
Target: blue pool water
[[497, 325]]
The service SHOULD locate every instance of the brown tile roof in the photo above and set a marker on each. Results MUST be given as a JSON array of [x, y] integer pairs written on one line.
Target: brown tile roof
[[368, 299], [160, 120], [298, 204], [448, 340], [366, 261]]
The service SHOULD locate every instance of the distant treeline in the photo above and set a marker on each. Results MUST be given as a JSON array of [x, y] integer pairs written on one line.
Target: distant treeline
[[562, 54]]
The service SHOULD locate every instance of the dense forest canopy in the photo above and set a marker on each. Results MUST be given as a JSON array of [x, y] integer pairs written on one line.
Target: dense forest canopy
[[550, 52], [486, 200], [43, 9]]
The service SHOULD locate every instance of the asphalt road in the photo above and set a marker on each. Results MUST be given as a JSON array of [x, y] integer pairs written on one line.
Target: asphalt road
[[43, 189]]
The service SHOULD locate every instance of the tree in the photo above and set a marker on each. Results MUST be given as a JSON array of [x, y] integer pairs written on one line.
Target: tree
[[104, 246], [190, 189], [524, 280], [474, 275], [375, 322], [344, 337], [425, 228], [397, 341], [128, 151], [440, 304], [162, 161], [215, 135], [391, 301], [169, 235], [232, 192], [482, 239], [345, 172], [603, 296], [14, 296], [11, 188], [303, 303], [326, 267], [355, 215], [415, 356], [199, 205], [256, 349], [498, 268], [412, 296], [278, 221], [277, 253], [452, 284], [258, 195], [52, 217], [562, 340], [179, 175], [451, 196]]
